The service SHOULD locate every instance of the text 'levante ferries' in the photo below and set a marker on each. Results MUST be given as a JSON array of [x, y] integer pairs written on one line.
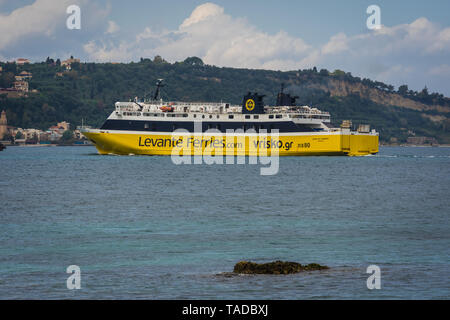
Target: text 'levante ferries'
[[155, 127]]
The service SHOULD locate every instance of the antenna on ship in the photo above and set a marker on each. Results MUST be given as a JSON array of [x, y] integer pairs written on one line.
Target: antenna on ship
[[159, 85]]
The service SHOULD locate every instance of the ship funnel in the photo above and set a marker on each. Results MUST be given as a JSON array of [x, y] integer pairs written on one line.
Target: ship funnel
[[253, 103], [285, 99]]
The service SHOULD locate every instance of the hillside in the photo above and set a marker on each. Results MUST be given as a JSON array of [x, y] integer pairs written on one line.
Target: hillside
[[89, 91]]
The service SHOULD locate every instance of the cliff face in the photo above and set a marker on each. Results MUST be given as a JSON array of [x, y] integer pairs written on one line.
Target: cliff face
[[344, 88], [396, 116]]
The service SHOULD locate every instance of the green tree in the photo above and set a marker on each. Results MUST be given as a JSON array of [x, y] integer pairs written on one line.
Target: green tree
[[338, 72], [159, 60], [67, 136], [403, 90], [424, 92], [193, 61], [10, 67], [6, 80], [8, 137]]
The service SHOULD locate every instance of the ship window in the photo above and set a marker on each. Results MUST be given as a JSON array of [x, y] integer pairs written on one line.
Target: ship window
[[217, 116], [203, 116], [247, 117], [185, 115], [278, 116], [195, 116], [230, 116], [271, 116], [255, 117], [210, 116], [146, 126]]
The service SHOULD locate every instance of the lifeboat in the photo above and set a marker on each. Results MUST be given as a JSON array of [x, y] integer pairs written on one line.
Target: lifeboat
[[166, 109]]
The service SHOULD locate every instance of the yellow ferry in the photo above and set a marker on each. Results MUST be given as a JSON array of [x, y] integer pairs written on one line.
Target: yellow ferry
[[155, 127]]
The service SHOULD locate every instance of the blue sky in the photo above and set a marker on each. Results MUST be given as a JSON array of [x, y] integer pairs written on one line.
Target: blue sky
[[412, 47]]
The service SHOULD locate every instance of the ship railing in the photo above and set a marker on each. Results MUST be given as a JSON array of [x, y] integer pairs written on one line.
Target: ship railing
[[209, 104], [304, 115], [296, 109]]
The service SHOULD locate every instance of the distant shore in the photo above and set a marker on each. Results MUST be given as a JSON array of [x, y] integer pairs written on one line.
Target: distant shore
[[49, 145], [414, 145]]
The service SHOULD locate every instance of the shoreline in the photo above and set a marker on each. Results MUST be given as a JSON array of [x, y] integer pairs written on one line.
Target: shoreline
[[415, 146], [49, 145]]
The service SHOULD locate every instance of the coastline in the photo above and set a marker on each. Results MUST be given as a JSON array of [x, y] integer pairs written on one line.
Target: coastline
[[415, 146], [49, 145]]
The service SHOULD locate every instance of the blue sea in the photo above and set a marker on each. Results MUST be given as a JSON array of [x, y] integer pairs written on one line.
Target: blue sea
[[141, 227]]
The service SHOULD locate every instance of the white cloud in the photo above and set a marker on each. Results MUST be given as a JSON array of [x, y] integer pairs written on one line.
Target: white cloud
[[337, 43], [108, 53], [41, 17], [39, 29], [218, 39], [203, 12], [112, 27], [402, 54], [399, 54], [441, 70]]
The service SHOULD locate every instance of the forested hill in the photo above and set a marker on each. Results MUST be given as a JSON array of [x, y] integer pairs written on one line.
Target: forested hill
[[89, 91]]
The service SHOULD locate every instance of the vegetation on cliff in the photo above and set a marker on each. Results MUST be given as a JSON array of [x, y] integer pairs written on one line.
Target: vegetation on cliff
[[89, 91]]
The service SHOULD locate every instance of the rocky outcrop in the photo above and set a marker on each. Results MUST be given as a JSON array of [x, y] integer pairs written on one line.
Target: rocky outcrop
[[342, 88], [276, 267], [339, 88]]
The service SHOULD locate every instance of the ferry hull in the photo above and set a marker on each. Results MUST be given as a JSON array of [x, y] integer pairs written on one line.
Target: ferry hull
[[289, 144]]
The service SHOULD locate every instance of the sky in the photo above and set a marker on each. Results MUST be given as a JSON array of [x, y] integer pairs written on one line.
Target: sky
[[411, 47]]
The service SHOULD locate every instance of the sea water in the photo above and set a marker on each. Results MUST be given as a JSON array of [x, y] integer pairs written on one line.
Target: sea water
[[141, 227]]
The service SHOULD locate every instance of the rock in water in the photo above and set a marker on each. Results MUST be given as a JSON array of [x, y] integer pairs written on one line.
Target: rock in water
[[277, 267]]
